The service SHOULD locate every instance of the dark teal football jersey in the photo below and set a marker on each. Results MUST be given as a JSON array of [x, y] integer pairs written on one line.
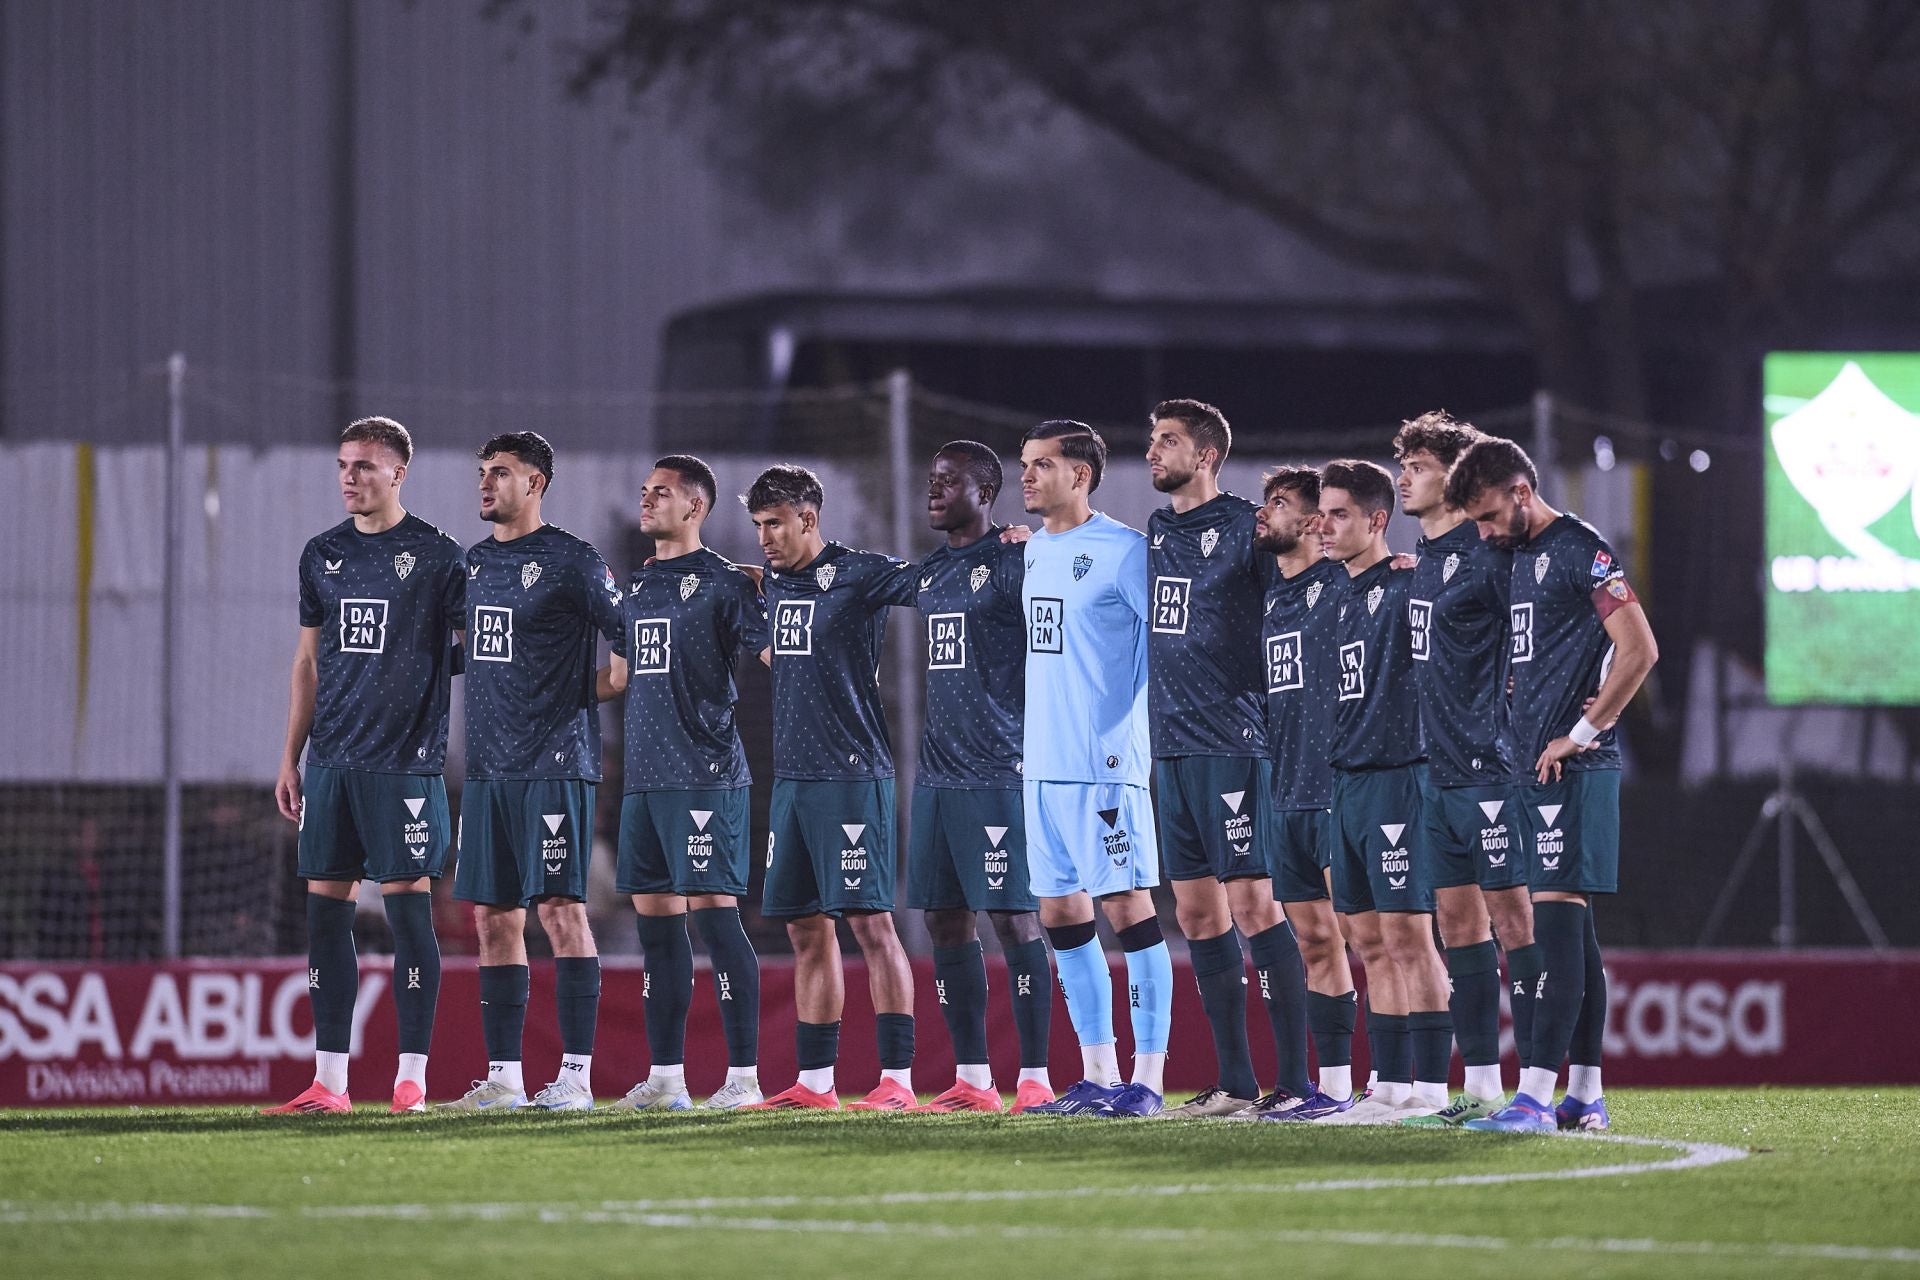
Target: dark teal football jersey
[[828, 622], [1299, 638], [1458, 613], [386, 606], [689, 622], [1376, 718], [1561, 650], [534, 606], [976, 631], [1204, 676]]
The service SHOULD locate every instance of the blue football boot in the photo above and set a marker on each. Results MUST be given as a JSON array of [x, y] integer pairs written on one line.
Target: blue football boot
[[1522, 1115], [1083, 1099], [1315, 1106], [1132, 1101], [1587, 1117]]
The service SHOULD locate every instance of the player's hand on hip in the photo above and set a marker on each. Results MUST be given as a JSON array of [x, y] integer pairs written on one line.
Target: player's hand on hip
[[1547, 767], [286, 792], [1015, 533]]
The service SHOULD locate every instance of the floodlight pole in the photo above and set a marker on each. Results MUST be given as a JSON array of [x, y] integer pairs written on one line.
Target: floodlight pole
[[169, 654]]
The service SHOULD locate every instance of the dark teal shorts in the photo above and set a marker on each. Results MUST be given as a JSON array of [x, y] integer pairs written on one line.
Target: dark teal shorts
[[523, 841], [1377, 849], [1573, 832], [967, 850], [1299, 847], [1210, 816], [1473, 837], [385, 827], [685, 842], [829, 848]]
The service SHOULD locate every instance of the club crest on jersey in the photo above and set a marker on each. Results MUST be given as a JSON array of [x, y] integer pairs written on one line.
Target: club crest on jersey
[[1448, 567], [689, 585], [1373, 599], [403, 564], [824, 576], [1313, 594], [1540, 567], [978, 578], [1081, 564], [529, 573], [1208, 541]]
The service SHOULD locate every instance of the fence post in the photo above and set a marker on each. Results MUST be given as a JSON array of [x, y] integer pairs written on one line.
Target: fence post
[[900, 477], [169, 655], [1543, 451]]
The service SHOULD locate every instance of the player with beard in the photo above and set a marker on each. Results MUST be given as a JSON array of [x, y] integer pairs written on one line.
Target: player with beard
[[1458, 612], [1211, 772], [830, 846], [537, 595], [967, 850], [1379, 757], [691, 616], [1582, 647], [1300, 651]]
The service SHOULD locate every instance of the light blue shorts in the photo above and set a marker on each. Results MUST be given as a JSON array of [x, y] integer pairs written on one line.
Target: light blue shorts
[[1096, 837]]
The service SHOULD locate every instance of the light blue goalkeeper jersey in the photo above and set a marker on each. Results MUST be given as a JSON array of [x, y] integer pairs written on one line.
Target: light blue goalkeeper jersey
[[1085, 597]]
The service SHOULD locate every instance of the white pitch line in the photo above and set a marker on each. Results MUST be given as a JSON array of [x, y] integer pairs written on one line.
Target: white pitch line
[[675, 1215], [1692, 1155]]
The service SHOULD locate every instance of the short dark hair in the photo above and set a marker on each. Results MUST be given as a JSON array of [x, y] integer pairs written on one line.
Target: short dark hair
[[784, 485], [983, 464], [1304, 481], [1078, 443], [1490, 463], [1438, 433], [380, 431], [1206, 424], [529, 446], [692, 472], [1368, 482]]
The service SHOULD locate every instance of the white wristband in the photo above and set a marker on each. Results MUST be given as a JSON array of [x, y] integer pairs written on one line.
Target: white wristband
[[1583, 733]]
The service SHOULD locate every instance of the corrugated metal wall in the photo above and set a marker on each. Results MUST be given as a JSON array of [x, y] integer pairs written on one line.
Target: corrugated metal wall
[[300, 195]]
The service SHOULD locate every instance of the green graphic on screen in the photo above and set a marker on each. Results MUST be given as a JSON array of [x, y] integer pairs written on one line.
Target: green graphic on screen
[[1843, 527]]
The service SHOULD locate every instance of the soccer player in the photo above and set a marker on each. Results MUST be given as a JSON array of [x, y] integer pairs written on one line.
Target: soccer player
[[690, 616], [537, 595], [830, 850], [1379, 859], [381, 606], [967, 849], [1090, 833], [1579, 635], [1212, 774], [1458, 613], [1302, 678]]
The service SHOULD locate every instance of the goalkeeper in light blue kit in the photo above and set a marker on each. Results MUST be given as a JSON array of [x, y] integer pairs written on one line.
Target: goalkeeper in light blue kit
[[1090, 831]]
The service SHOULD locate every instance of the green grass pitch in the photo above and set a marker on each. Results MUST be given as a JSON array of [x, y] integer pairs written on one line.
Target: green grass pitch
[[1776, 1182]]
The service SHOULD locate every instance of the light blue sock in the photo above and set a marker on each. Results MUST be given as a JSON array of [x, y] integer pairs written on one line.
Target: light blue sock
[[1150, 997], [1089, 991]]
